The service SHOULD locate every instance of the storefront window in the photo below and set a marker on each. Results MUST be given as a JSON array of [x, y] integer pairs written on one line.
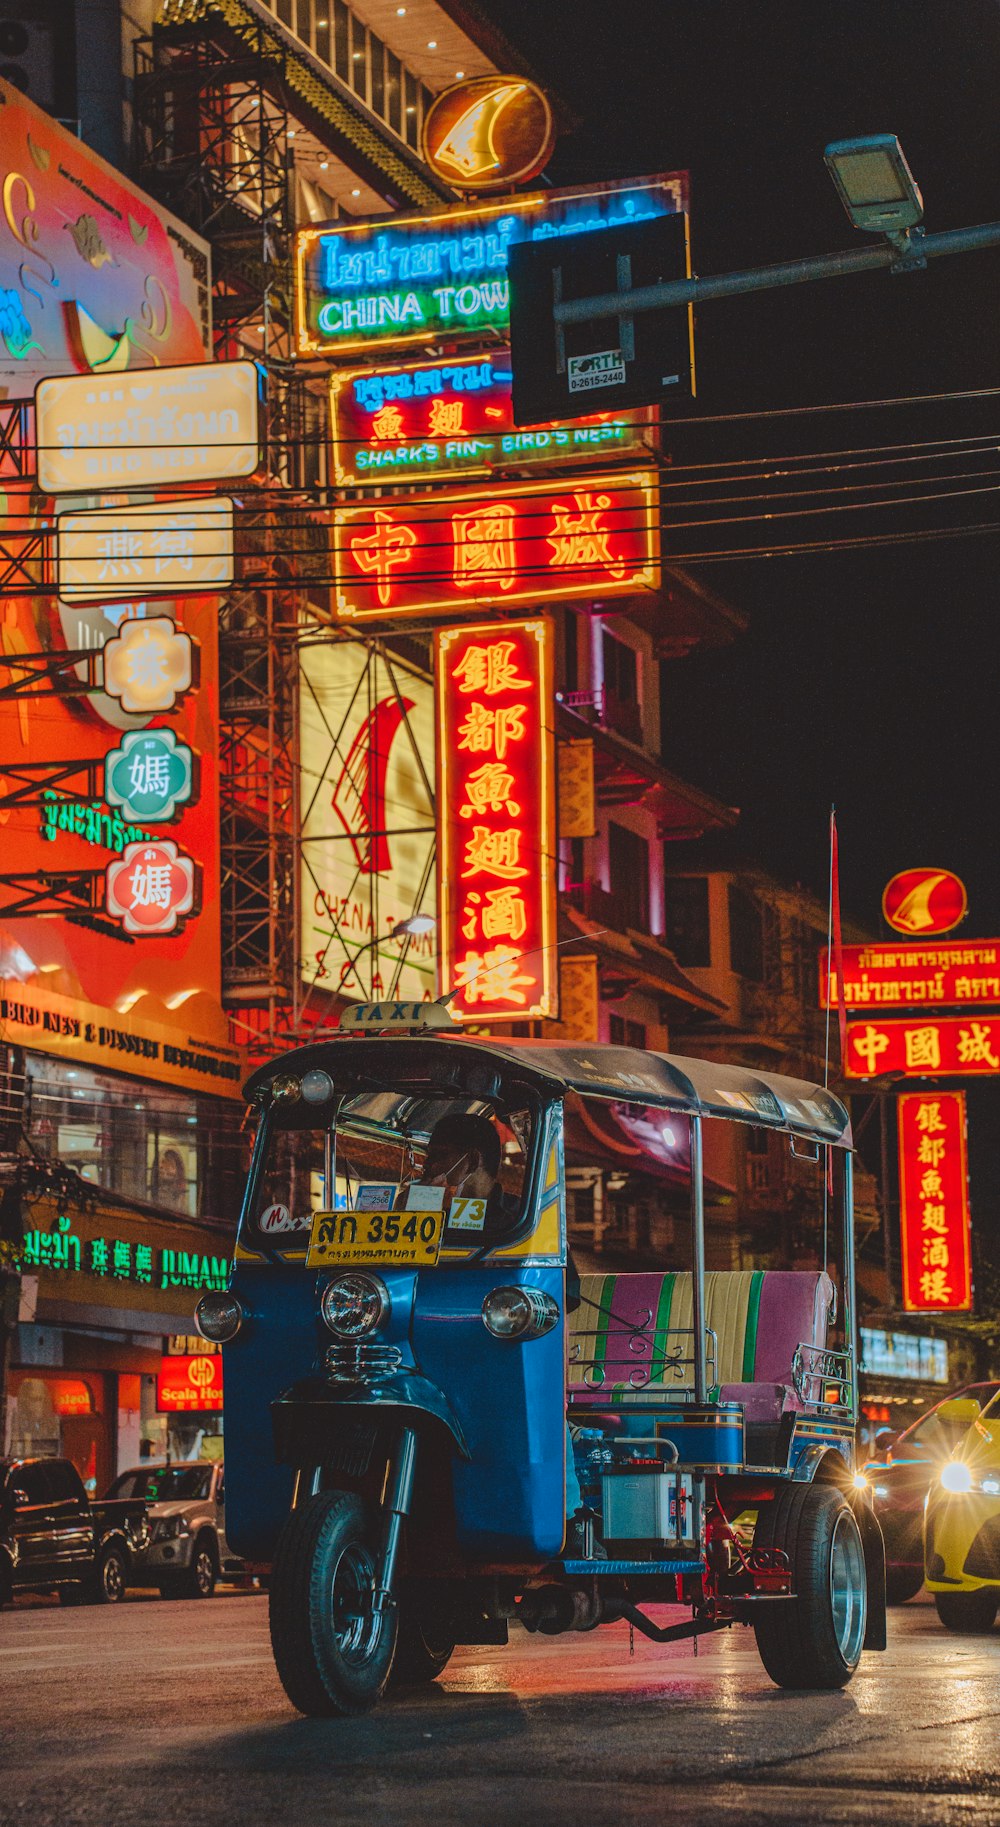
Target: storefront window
[[63, 1415], [159, 1146]]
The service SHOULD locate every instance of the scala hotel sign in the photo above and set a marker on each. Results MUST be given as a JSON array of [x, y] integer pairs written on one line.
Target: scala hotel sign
[[401, 280]]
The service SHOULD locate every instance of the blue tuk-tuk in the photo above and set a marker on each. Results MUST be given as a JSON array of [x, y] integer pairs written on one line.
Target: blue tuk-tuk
[[421, 1383]]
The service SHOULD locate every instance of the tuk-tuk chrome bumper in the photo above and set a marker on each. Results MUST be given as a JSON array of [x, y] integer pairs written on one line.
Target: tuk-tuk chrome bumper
[[308, 1418]]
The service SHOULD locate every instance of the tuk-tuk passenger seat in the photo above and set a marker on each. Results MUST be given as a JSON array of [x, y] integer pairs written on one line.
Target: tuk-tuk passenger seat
[[629, 1334]]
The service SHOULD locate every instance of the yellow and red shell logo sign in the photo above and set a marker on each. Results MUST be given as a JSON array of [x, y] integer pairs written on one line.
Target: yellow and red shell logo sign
[[489, 133], [921, 902]]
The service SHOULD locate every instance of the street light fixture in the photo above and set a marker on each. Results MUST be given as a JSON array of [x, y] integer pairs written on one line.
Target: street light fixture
[[875, 184], [414, 927]]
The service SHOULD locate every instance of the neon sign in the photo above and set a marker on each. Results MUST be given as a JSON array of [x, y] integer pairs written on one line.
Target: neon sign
[[934, 1203], [894, 977], [189, 1384], [150, 776], [453, 418], [413, 279], [152, 887], [489, 133], [496, 842], [530, 542], [955, 1045], [119, 1259], [922, 902]]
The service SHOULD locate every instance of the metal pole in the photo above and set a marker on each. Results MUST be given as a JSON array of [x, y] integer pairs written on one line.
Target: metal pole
[[850, 1337], [698, 1259], [913, 253]]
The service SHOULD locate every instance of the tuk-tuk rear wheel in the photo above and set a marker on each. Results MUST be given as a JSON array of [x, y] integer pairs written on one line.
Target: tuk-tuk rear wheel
[[333, 1649], [815, 1639]]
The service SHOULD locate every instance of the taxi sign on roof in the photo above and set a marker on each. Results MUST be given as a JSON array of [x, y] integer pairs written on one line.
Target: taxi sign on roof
[[375, 1017]]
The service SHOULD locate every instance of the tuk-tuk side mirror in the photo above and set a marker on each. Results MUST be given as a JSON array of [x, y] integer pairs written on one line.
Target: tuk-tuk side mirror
[[962, 1411]]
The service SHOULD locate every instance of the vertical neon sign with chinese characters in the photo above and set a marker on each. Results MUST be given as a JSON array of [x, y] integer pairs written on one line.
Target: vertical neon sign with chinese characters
[[496, 843], [934, 1203]]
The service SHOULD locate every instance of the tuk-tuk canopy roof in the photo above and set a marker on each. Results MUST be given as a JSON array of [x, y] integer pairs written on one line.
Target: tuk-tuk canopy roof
[[627, 1075]]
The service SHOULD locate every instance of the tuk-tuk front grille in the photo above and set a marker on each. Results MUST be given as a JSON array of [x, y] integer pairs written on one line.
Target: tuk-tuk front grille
[[350, 1452], [366, 1361]]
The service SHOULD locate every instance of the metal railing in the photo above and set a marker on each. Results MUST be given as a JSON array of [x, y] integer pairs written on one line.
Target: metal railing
[[817, 1371], [639, 1355]]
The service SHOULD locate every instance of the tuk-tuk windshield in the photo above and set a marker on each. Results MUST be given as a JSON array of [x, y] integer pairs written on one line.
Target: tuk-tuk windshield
[[383, 1151]]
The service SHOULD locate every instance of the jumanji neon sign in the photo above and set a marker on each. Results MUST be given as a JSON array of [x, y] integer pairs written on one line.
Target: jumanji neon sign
[[528, 542], [496, 839]]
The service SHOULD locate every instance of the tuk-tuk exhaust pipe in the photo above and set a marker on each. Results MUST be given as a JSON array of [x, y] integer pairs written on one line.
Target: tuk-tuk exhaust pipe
[[396, 1503]]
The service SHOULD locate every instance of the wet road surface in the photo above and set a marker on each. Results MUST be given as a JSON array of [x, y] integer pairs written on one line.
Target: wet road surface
[[171, 1713]]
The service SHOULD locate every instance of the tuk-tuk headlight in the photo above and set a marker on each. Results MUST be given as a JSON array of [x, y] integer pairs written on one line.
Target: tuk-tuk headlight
[[218, 1317], [354, 1305], [519, 1313]]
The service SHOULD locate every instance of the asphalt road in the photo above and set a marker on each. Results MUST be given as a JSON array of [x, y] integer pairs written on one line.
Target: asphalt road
[[170, 1713]]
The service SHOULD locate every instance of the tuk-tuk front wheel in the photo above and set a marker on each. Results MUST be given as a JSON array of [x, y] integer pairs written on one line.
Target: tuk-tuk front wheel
[[815, 1639], [332, 1647]]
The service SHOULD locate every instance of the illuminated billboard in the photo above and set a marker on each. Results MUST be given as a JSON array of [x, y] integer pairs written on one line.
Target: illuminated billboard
[[93, 274], [517, 544], [366, 754], [148, 429], [890, 978], [442, 275], [489, 133], [496, 852], [934, 1203], [923, 902], [423, 419], [956, 1046], [157, 549]]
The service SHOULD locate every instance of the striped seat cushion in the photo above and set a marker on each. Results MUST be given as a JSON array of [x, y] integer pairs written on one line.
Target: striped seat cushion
[[633, 1333]]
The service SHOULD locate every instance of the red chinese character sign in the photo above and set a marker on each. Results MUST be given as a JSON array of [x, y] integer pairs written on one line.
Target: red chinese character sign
[[934, 1203], [152, 887], [924, 901], [954, 1045], [524, 543], [496, 839]]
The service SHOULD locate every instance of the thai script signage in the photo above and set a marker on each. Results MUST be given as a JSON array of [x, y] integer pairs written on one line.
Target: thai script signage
[[895, 976], [148, 429], [496, 846], [121, 1259], [489, 133], [952, 1045], [425, 419], [366, 759], [524, 543], [93, 273], [161, 548], [923, 902], [187, 1385], [906, 1355], [934, 1203], [402, 280]]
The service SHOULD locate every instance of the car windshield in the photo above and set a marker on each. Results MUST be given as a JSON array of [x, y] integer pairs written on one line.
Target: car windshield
[[935, 1429], [165, 1483], [386, 1151]]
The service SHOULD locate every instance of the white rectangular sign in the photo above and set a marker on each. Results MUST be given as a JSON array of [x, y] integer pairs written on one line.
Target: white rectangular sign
[[604, 370], [162, 548], [139, 430]]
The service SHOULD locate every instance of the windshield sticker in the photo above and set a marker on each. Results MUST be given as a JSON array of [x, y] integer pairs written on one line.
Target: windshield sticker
[[425, 1198], [467, 1215], [377, 1196], [276, 1218]]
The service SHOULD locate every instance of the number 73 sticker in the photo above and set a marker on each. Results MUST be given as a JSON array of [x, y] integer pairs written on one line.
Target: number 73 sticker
[[361, 1239]]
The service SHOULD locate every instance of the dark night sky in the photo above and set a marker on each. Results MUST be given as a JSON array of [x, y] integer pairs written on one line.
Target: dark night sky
[[867, 678]]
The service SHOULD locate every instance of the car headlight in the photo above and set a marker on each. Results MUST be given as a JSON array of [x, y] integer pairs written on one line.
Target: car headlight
[[169, 1527], [956, 1477], [881, 1491], [218, 1317], [354, 1305], [990, 1487], [519, 1313]]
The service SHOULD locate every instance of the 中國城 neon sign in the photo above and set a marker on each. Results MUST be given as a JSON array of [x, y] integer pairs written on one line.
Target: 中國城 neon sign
[[525, 543], [410, 279], [432, 418]]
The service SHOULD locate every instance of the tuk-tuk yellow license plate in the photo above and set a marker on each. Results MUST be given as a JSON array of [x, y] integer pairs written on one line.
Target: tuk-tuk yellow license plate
[[361, 1240]]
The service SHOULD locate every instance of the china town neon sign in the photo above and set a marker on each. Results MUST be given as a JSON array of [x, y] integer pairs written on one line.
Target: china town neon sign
[[496, 840], [957, 1046], [934, 1203], [425, 419], [527, 543], [413, 279]]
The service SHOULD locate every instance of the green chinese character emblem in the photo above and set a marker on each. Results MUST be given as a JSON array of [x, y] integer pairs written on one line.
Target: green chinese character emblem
[[150, 776]]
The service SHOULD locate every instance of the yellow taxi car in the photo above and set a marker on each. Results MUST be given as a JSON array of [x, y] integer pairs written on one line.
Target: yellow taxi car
[[962, 1523]]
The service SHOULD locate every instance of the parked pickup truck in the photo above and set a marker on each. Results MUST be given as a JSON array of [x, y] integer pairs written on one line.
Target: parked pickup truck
[[52, 1538], [187, 1549]]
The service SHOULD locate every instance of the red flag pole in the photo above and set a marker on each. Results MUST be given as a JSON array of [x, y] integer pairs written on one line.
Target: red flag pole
[[836, 953]]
